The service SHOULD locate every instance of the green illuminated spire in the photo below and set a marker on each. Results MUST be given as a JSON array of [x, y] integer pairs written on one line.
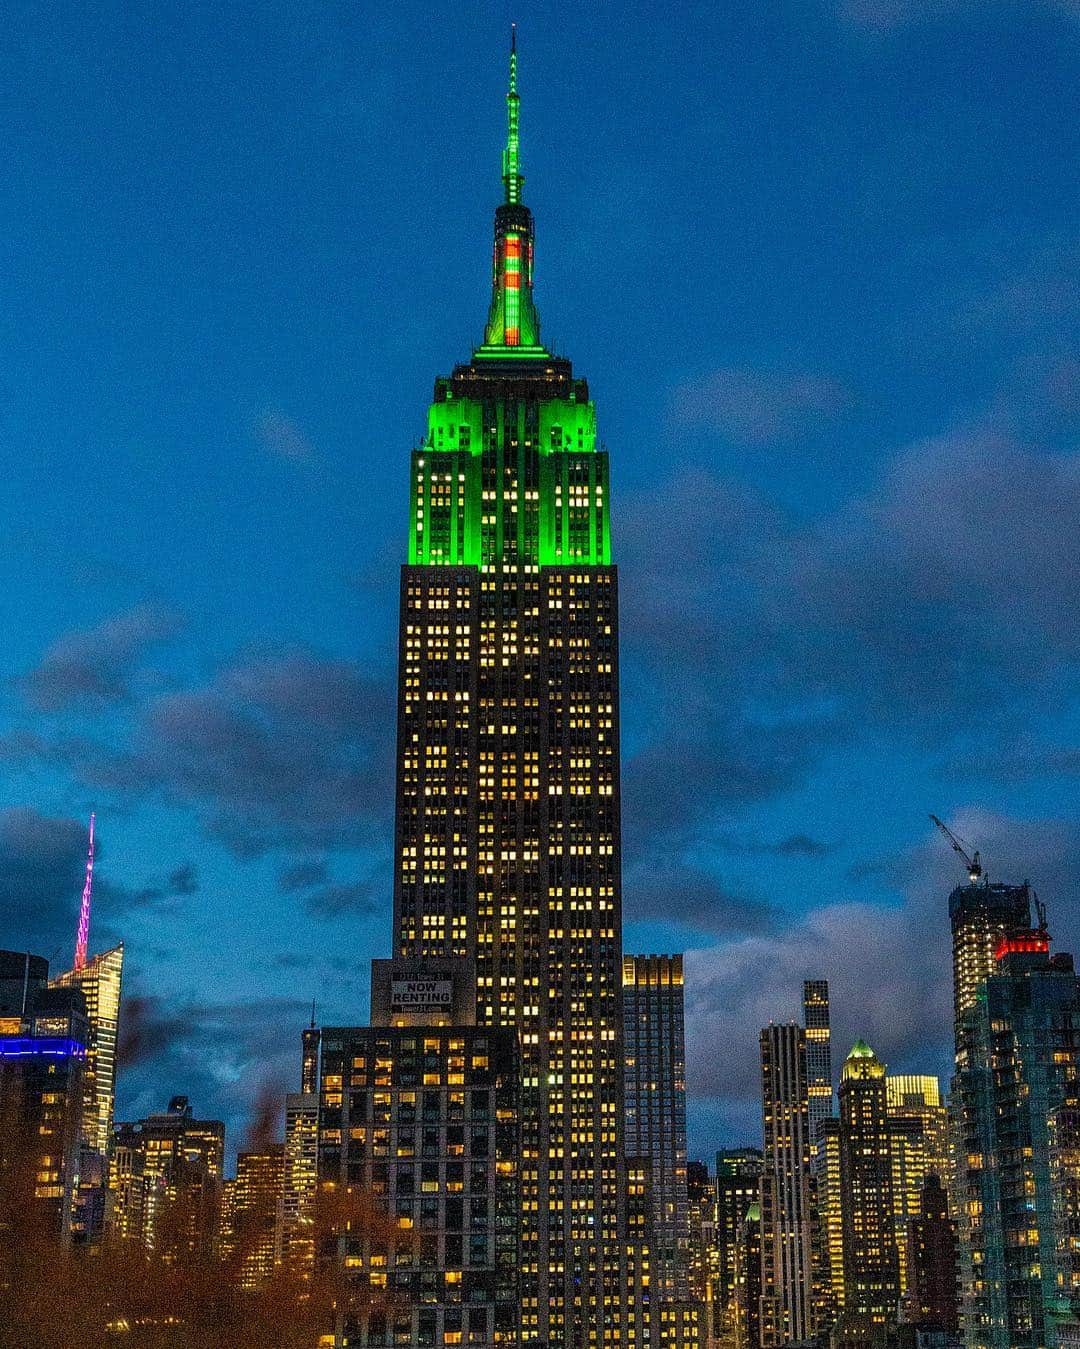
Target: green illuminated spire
[[513, 326], [512, 178]]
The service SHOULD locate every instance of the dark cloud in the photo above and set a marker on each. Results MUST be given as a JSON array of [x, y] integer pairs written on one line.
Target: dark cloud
[[757, 406], [230, 1058], [795, 845], [948, 597], [179, 883], [42, 860], [90, 669], [336, 901], [302, 876], [885, 16], [282, 750], [691, 897]]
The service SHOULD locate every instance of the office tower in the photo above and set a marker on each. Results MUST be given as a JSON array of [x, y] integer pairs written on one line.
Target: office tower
[[703, 1254], [300, 1180], [786, 1248], [931, 1299], [637, 1292], [165, 1181], [830, 1217], [507, 812], [871, 1266], [1020, 1064], [738, 1185], [918, 1096], [255, 1221], [421, 1115], [42, 1057], [100, 980], [980, 914], [746, 1322], [655, 1088], [819, 1087], [309, 1060]]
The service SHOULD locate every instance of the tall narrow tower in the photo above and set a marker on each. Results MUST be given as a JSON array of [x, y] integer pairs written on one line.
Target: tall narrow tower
[[819, 1086], [507, 811]]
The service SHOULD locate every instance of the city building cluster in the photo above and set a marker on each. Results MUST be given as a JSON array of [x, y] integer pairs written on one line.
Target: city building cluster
[[497, 1156]]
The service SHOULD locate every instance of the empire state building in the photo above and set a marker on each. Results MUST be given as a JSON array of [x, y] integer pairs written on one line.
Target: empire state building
[[507, 845]]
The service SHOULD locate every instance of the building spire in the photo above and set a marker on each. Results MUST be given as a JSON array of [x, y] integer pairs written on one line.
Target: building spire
[[83, 936], [512, 179], [513, 326]]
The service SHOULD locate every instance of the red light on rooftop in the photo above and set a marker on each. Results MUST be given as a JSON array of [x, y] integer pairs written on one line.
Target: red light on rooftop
[[1023, 943]]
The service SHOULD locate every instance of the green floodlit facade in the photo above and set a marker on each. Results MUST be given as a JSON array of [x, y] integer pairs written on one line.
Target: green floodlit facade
[[507, 841]]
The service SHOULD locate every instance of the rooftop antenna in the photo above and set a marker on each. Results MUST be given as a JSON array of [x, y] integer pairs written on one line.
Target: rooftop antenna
[[84, 909]]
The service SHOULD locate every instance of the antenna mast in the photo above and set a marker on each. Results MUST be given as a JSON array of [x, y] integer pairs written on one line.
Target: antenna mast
[[84, 910]]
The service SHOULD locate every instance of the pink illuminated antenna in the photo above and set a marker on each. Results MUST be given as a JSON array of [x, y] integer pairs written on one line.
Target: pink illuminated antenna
[[84, 911]]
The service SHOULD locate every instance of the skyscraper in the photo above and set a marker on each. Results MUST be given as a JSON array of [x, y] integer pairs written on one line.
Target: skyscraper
[[653, 1039], [819, 1085], [786, 1247], [738, 1185], [981, 914], [918, 1146], [256, 1218], [165, 1180], [507, 811], [871, 1267], [100, 980], [932, 1263], [42, 1055], [1020, 1063]]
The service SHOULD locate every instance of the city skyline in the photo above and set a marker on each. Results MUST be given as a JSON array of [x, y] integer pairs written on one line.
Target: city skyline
[[114, 692]]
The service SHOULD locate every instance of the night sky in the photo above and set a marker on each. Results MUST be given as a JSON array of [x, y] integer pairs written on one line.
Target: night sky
[[817, 259]]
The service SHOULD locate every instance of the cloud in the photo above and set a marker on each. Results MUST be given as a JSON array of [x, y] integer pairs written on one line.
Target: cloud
[[335, 901], [692, 897], [281, 750], [757, 406], [794, 845], [883, 16], [89, 669], [302, 876], [754, 644], [283, 439], [42, 860]]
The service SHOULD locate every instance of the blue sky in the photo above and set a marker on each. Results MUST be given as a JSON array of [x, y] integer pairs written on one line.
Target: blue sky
[[818, 260]]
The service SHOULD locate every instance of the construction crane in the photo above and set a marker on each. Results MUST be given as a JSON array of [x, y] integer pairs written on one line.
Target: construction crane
[[971, 859]]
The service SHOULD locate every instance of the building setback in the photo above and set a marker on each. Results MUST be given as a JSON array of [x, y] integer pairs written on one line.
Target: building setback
[[507, 837], [655, 1056]]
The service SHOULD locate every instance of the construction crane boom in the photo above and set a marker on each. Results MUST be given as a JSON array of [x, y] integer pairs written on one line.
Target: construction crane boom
[[971, 859]]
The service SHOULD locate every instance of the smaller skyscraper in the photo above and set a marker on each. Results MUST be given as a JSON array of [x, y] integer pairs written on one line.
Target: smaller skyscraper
[[165, 1181], [746, 1321], [786, 1236], [933, 1271], [300, 1180], [871, 1264], [655, 1084], [830, 1217], [256, 1220], [421, 1115], [738, 1186], [100, 981], [819, 1084]]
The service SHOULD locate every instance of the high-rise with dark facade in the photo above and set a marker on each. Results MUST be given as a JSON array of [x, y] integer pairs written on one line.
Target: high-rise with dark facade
[[819, 1084], [786, 1233], [1020, 1066], [656, 1107], [507, 811]]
